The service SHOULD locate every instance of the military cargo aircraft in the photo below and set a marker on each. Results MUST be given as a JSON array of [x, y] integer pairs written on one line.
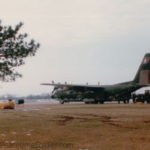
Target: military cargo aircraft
[[101, 93]]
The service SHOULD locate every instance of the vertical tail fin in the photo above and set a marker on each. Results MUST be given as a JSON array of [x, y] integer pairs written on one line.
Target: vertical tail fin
[[143, 74]]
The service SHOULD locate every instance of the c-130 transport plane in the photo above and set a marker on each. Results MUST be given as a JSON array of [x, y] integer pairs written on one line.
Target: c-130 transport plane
[[101, 93]]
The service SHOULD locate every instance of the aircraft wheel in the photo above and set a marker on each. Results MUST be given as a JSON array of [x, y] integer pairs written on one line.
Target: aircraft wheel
[[101, 102], [139, 100], [95, 102], [148, 101]]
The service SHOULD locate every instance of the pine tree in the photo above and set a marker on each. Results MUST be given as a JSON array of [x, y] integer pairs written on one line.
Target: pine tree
[[14, 48]]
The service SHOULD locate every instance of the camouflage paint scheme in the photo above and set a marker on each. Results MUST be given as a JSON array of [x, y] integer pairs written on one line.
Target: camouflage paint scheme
[[100, 94]]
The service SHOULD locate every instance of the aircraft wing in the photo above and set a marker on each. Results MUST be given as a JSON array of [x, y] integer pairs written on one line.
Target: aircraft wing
[[71, 85]]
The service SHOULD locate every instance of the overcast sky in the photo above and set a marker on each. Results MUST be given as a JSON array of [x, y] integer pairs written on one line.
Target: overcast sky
[[81, 41]]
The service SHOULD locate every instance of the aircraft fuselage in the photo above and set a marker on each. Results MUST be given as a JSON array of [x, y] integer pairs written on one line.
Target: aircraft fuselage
[[117, 92]]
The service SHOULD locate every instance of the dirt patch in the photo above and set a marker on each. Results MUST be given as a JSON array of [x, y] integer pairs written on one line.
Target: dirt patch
[[89, 115], [148, 121], [110, 121], [64, 119]]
